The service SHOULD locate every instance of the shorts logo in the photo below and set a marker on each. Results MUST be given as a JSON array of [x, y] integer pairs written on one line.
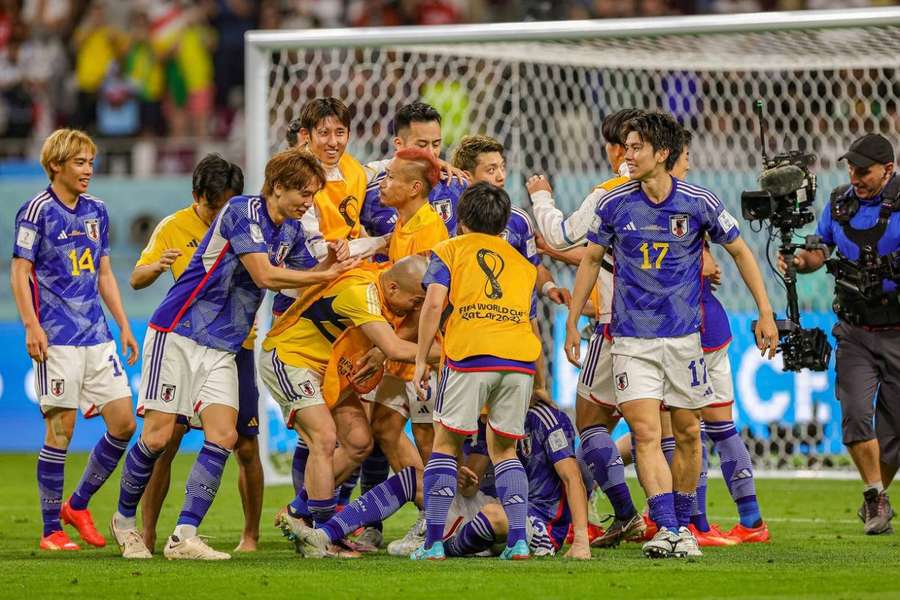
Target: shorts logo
[[57, 387], [282, 252], [167, 392], [492, 265], [443, 208], [678, 225], [349, 211], [307, 388], [621, 381], [525, 446], [92, 229]]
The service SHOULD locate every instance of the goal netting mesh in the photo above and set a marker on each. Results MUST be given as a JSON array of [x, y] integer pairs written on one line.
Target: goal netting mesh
[[545, 100]]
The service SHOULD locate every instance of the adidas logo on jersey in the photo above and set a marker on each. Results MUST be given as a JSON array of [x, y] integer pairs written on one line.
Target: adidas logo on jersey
[[445, 491], [192, 244], [514, 499], [742, 474], [62, 236], [630, 226]]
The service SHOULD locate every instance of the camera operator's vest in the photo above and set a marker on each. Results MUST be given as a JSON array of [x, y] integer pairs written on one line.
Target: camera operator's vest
[[851, 306]]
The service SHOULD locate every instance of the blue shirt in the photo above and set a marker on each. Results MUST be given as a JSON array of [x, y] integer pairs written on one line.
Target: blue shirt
[[866, 217], [519, 233], [379, 219], [657, 250], [65, 246], [549, 438], [215, 300]]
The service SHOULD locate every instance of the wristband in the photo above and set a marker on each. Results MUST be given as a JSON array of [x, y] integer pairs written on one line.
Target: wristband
[[547, 287]]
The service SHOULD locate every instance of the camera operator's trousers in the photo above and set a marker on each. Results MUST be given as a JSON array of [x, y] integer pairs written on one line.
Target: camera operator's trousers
[[868, 387]]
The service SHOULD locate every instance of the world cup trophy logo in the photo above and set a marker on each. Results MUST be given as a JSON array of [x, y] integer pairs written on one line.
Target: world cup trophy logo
[[349, 209], [492, 264]]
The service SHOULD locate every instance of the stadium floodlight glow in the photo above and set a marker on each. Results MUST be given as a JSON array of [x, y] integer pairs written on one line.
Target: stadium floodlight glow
[[542, 89]]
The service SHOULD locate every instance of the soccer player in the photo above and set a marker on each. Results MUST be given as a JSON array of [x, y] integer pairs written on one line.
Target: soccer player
[[294, 366], [595, 406], [170, 248], [189, 351], [655, 226], [490, 351], [60, 271], [476, 522], [416, 125]]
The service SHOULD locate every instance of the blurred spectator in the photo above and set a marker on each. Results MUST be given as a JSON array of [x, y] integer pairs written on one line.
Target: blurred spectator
[[97, 45], [118, 111], [231, 19], [48, 21], [435, 12], [142, 67], [16, 102], [9, 13]]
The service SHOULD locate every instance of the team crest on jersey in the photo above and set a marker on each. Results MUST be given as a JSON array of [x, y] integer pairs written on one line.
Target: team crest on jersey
[[282, 252], [678, 225], [525, 445], [167, 392], [92, 229], [621, 381], [57, 387], [307, 388], [444, 208]]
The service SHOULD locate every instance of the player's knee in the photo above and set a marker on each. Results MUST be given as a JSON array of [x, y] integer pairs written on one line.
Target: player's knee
[[358, 446], [497, 518], [687, 433], [156, 440], [123, 430], [323, 443], [224, 437]]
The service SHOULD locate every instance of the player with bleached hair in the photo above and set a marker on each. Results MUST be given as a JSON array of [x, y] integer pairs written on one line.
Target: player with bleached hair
[[60, 271], [655, 226]]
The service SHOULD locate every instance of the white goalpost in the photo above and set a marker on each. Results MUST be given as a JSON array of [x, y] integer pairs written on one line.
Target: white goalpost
[[543, 88]]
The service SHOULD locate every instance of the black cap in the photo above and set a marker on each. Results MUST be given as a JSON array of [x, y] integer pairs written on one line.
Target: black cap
[[870, 149]]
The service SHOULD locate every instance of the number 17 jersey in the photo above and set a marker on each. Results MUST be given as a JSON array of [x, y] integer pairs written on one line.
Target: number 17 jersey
[[658, 252]]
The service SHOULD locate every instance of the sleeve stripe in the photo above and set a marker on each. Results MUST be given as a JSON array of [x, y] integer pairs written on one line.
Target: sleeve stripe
[[373, 302], [622, 190], [35, 206], [711, 199], [253, 210], [525, 217], [545, 415]]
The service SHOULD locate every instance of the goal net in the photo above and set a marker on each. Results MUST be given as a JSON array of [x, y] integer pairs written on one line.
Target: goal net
[[542, 89]]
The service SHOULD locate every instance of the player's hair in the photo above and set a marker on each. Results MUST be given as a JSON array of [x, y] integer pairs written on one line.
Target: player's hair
[[686, 137], [294, 169], [214, 175], [62, 145], [484, 208], [466, 154], [317, 109], [661, 131], [611, 128], [428, 169], [417, 112]]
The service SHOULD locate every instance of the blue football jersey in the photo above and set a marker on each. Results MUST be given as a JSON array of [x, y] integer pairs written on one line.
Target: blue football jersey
[[379, 219], [519, 233], [658, 256], [716, 331], [549, 438], [215, 300], [65, 246]]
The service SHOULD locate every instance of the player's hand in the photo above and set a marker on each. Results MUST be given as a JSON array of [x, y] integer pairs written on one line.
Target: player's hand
[[559, 295], [573, 343], [337, 268], [767, 335], [538, 183], [580, 548], [167, 258], [422, 379], [466, 481], [36, 342], [129, 346], [450, 171], [371, 362], [339, 249]]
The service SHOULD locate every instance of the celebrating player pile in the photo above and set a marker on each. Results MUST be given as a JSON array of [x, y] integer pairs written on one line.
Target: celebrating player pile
[[408, 291]]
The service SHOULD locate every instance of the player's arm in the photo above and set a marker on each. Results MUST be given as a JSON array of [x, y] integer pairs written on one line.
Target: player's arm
[[267, 276], [766, 331], [393, 346], [572, 256], [576, 495], [144, 275], [35, 338], [429, 321], [109, 291], [561, 232], [585, 279]]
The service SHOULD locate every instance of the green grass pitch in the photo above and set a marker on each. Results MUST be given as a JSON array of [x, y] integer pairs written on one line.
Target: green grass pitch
[[818, 551]]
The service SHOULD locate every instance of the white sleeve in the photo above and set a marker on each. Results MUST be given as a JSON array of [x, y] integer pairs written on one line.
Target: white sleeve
[[564, 233], [365, 247], [374, 168], [315, 243]]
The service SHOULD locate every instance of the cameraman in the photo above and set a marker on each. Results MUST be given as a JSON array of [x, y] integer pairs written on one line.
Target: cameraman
[[866, 216]]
